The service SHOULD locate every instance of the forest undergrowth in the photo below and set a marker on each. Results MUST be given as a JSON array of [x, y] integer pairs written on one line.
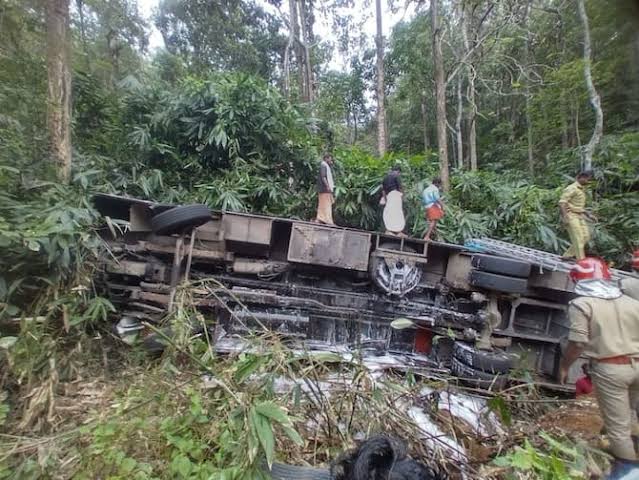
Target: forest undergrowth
[[105, 410]]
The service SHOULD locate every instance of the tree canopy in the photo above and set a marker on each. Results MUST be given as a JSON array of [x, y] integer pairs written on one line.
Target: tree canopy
[[226, 102]]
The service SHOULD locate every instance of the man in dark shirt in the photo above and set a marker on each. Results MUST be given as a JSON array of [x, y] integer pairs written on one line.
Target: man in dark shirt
[[392, 181]]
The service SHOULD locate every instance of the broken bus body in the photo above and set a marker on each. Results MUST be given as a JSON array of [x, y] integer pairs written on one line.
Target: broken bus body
[[328, 287]]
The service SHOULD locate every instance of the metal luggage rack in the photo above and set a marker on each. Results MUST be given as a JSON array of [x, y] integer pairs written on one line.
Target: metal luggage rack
[[401, 253], [544, 260]]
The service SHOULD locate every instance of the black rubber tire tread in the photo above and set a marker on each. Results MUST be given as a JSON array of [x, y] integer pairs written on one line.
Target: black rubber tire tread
[[180, 219], [477, 378], [281, 471], [501, 266], [493, 362], [500, 283], [155, 343]]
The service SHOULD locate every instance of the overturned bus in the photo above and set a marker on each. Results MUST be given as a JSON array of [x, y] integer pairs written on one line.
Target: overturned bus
[[488, 311]]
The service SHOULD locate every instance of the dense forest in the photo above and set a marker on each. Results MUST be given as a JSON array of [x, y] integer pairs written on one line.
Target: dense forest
[[505, 100], [240, 123]]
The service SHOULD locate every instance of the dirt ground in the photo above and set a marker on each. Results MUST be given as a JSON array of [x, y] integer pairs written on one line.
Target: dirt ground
[[580, 419], [87, 399]]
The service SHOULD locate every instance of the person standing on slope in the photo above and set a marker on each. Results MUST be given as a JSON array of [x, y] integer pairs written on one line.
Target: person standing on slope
[[325, 189], [572, 206], [392, 199], [433, 206], [604, 326]]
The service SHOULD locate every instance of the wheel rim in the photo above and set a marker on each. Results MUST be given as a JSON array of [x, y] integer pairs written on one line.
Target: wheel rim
[[395, 277]]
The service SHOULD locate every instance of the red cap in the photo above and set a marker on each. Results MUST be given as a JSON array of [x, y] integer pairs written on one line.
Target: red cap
[[590, 268], [635, 259]]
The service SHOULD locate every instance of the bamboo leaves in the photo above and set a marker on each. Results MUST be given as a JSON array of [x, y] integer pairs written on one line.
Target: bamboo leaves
[[263, 417]]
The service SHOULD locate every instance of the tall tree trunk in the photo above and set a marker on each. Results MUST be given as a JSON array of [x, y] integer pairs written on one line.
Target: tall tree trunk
[[529, 131], [472, 125], [563, 104], [83, 33], [114, 54], [381, 109], [577, 132], [564, 125], [453, 145], [595, 100], [306, 38], [472, 110], [294, 38], [425, 123], [458, 125], [354, 126], [513, 122], [440, 94], [59, 86], [529, 136], [632, 107], [292, 15]]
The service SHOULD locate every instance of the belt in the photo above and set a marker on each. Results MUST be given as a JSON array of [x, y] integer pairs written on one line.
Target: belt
[[618, 360]]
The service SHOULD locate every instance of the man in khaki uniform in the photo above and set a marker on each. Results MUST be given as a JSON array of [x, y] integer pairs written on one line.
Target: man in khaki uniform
[[572, 205], [604, 326], [630, 286]]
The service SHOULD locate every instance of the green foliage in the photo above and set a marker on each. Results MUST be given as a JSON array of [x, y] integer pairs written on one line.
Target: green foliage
[[223, 122], [341, 101], [233, 36], [4, 407], [498, 205], [45, 240], [192, 432], [98, 125], [498, 404], [22, 85], [48, 251], [554, 460], [232, 141], [262, 418], [109, 38], [409, 72]]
